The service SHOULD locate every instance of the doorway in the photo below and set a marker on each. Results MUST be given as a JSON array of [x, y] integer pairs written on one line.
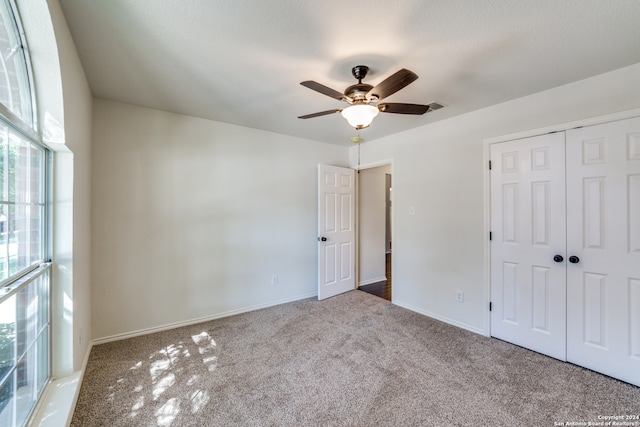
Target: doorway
[[374, 231]]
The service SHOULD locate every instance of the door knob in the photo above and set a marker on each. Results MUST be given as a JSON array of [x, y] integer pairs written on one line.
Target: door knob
[[558, 258], [322, 239], [574, 259]]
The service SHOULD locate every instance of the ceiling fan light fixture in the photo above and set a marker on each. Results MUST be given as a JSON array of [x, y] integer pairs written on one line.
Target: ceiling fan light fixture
[[360, 116]]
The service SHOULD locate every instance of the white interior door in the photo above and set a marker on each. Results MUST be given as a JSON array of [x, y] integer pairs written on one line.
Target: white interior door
[[603, 224], [528, 288], [336, 230]]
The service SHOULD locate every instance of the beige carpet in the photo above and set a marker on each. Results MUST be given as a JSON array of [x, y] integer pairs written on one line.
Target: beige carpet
[[351, 360]]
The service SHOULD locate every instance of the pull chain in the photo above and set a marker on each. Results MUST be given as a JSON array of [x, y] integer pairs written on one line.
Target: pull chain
[[357, 140], [358, 154]]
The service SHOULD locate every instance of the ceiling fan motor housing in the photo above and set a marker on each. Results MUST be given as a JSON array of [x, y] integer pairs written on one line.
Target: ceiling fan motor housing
[[358, 92]]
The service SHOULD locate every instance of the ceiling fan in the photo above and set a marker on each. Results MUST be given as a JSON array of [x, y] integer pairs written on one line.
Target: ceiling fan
[[360, 96]]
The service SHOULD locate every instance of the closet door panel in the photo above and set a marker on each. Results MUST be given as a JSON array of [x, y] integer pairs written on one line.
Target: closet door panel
[[603, 231], [528, 288]]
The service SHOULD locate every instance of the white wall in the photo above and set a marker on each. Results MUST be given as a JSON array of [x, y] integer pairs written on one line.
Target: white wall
[[372, 225], [77, 130], [440, 170], [64, 113], [192, 218]]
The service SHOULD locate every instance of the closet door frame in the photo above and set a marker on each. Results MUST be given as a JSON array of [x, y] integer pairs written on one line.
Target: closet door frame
[[561, 127]]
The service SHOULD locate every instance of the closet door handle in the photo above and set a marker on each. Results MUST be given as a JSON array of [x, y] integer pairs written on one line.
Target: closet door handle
[[558, 258], [574, 259]]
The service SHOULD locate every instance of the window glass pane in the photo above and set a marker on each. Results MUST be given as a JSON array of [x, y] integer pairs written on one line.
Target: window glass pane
[[36, 232], [7, 334], [36, 175], [15, 91], [24, 349], [24, 387], [43, 360], [18, 169], [8, 400], [4, 241], [4, 160], [12, 244], [27, 317], [43, 301], [22, 205], [7, 356]]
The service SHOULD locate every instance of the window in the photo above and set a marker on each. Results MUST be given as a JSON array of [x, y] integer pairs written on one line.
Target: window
[[15, 87], [25, 331]]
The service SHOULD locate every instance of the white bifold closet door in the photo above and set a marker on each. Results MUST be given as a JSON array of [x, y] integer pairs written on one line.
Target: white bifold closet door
[[565, 218], [603, 231], [528, 288]]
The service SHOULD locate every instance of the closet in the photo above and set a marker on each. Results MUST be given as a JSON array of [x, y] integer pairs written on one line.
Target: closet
[[565, 246]]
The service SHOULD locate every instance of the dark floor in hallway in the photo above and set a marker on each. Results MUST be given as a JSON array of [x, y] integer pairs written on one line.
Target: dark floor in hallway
[[381, 289]]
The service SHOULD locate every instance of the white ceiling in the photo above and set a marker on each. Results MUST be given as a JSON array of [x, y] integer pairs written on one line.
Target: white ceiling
[[241, 61]]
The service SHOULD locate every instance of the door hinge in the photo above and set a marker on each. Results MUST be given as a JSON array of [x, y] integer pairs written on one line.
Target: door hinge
[[489, 164], [490, 236], [490, 306]]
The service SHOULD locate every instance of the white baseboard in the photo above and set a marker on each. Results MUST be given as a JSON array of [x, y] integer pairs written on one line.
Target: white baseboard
[[190, 322], [372, 281], [440, 318]]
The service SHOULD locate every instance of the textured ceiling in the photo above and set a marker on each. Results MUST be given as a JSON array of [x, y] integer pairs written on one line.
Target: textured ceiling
[[241, 61]]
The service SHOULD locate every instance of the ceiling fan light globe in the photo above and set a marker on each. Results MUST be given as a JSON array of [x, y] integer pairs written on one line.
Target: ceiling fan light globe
[[360, 116]]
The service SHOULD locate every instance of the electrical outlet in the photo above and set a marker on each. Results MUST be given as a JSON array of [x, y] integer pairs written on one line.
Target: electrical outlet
[[459, 296], [274, 279]]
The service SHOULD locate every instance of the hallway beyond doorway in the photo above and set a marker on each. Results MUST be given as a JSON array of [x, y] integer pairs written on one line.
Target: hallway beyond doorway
[[381, 289]]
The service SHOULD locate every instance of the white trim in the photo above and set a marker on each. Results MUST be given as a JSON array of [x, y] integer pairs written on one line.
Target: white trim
[[621, 115], [372, 281], [486, 248], [58, 402], [440, 318], [377, 163], [190, 322], [562, 127]]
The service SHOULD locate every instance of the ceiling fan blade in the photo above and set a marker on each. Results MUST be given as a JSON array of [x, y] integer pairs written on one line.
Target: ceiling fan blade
[[323, 89], [400, 108], [321, 113], [393, 83]]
